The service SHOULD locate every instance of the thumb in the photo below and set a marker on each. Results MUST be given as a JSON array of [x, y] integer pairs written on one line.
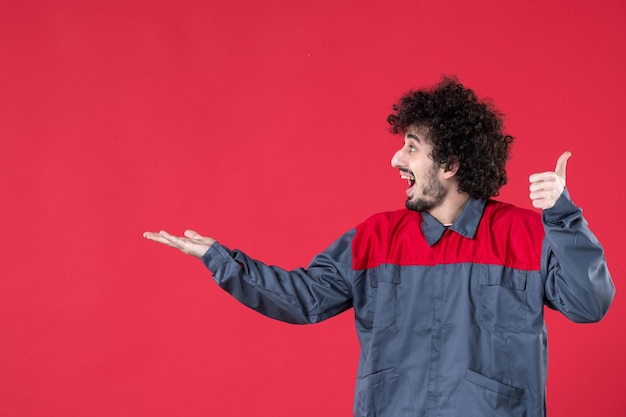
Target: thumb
[[561, 164]]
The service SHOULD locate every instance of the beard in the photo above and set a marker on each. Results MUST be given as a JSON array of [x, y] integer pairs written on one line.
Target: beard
[[433, 194]]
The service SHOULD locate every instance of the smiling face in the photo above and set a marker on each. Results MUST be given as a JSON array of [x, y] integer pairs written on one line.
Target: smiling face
[[427, 189]]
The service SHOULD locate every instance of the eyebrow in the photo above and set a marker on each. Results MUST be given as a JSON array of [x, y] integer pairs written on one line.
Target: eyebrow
[[414, 137]]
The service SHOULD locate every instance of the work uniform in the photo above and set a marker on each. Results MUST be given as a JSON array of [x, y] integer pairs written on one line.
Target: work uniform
[[449, 318]]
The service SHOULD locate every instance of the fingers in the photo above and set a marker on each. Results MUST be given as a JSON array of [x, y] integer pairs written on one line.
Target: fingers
[[537, 186], [542, 177], [192, 234], [156, 237], [544, 194], [538, 203], [192, 244], [198, 238], [165, 238]]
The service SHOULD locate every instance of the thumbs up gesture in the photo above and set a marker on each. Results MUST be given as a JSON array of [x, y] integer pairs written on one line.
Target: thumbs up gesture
[[547, 187]]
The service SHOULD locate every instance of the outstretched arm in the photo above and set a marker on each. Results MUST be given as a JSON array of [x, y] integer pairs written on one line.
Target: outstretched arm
[[299, 296], [192, 243]]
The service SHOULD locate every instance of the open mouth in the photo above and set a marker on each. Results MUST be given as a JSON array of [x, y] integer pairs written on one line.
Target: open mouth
[[407, 175]]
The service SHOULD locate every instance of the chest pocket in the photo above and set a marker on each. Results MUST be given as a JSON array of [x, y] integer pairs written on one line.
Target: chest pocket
[[384, 282], [503, 303]]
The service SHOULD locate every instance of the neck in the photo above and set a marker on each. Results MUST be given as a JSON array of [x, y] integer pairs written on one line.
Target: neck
[[450, 208]]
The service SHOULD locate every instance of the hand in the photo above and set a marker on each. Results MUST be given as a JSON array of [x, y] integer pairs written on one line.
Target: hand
[[192, 244], [547, 187]]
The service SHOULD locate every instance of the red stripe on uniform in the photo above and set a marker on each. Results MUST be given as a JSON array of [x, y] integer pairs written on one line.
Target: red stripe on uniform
[[507, 236]]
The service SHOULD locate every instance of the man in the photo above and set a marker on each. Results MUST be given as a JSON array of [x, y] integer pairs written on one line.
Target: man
[[448, 294]]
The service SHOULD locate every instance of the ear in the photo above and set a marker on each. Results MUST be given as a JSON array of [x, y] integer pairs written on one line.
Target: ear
[[450, 169]]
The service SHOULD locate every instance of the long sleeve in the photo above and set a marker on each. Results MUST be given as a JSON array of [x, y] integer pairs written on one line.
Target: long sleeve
[[578, 283], [301, 296]]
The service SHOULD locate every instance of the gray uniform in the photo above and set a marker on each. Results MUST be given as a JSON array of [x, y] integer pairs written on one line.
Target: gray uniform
[[449, 319]]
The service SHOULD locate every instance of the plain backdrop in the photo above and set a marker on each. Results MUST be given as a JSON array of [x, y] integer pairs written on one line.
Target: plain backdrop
[[262, 124]]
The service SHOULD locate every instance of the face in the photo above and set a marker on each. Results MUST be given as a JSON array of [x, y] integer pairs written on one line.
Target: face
[[426, 189]]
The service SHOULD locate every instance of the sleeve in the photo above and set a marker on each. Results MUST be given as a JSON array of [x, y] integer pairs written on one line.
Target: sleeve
[[578, 283], [301, 296]]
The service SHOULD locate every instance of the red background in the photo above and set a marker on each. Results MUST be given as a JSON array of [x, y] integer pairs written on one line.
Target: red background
[[262, 123]]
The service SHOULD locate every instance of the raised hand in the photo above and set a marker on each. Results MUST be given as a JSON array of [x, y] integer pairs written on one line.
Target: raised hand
[[192, 243], [547, 187]]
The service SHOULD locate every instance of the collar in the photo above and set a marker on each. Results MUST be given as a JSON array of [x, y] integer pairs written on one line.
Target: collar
[[465, 225]]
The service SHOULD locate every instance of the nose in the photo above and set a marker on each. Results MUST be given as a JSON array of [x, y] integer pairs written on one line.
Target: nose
[[397, 160]]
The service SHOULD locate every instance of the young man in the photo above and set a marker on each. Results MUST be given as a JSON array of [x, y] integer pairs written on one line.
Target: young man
[[448, 294]]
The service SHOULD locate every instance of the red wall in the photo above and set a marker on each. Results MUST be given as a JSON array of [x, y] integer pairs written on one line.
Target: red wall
[[262, 124]]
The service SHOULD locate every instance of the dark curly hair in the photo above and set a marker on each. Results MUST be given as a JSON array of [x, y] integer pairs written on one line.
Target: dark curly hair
[[462, 130]]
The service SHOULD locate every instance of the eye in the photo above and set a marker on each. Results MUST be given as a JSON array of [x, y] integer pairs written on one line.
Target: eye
[[412, 149]]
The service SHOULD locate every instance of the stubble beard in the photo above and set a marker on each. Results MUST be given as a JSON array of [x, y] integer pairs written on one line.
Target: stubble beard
[[433, 194]]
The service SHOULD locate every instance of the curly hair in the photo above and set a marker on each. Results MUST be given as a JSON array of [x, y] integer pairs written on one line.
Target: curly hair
[[463, 130]]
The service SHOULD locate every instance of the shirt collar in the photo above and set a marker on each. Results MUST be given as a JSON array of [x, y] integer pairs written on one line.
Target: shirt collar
[[465, 225]]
